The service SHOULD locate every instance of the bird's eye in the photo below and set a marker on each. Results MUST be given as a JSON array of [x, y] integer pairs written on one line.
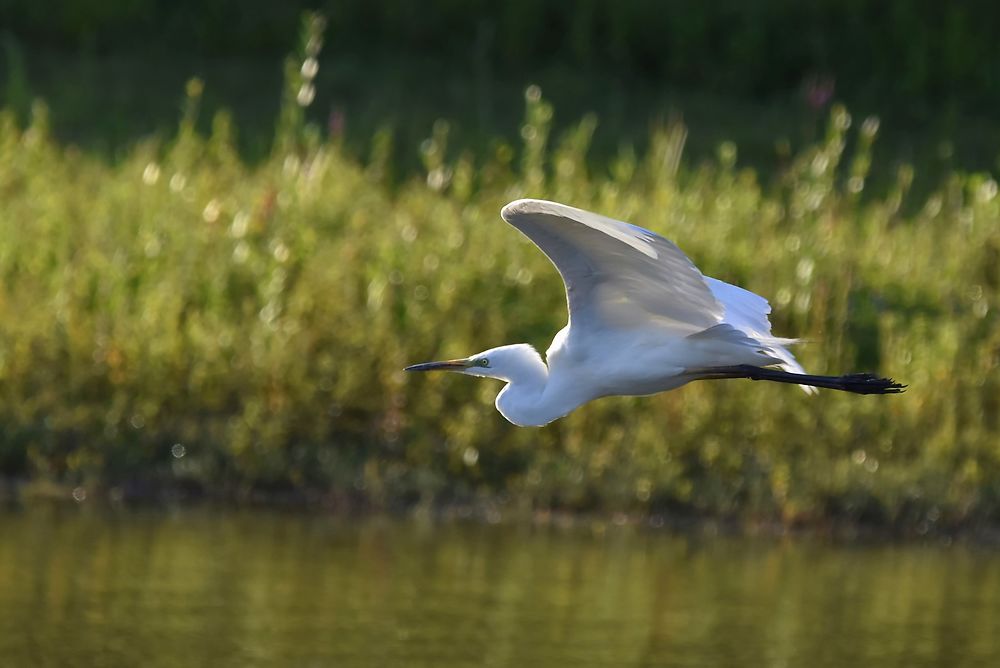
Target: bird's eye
[[484, 362]]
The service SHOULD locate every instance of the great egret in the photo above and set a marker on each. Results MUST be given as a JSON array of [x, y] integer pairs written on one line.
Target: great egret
[[642, 319]]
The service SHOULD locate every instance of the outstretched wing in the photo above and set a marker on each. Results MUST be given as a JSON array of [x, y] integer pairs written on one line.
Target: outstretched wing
[[617, 275]]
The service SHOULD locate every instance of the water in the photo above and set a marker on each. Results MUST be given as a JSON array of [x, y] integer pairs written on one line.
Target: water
[[199, 588]]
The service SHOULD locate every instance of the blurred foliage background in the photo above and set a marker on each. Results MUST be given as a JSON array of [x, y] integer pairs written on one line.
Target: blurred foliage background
[[187, 307], [755, 73], [934, 52]]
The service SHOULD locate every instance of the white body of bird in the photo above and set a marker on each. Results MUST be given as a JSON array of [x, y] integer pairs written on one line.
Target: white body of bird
[[642, 319]]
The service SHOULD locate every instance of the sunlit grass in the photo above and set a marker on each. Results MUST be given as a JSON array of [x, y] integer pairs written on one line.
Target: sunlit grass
[[260, 316]]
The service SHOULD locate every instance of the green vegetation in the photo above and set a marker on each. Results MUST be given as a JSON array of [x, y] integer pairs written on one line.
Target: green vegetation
[[181, 318], [734, 70], [920, 52]]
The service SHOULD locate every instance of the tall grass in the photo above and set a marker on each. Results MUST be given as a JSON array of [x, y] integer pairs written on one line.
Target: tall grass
[[181, 318]]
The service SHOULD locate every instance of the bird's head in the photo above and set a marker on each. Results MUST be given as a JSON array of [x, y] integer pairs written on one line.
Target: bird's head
[[504, 363]]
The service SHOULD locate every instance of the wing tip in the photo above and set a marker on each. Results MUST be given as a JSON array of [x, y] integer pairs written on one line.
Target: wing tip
[[522, 206]]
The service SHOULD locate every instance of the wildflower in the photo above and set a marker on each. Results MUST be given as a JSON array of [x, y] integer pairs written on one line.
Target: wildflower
[[818, 91], [335, 122]]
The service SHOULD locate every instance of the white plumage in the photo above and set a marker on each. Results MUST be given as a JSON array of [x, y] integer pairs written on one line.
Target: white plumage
[[642, 319]]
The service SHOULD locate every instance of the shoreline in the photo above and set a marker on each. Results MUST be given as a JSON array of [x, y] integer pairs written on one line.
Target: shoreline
[[28, 495]]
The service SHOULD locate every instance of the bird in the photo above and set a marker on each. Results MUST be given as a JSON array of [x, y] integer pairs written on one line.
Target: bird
[[643, 319]]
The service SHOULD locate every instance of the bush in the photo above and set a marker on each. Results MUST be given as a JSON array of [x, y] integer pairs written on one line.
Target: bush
[[182, 317]]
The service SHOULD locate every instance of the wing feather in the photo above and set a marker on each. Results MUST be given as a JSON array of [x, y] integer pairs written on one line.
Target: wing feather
[[748, 311], [617, 274]]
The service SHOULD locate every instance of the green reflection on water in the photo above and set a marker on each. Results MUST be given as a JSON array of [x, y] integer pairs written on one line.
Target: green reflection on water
[[247, 589]]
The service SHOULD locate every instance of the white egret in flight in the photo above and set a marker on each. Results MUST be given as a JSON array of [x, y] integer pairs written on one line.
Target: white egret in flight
[[642, 319]]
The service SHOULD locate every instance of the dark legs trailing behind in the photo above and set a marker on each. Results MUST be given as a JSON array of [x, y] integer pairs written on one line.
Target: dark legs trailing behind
[[859, 383]]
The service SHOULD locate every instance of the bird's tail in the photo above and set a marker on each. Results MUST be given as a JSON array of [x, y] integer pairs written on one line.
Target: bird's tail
[[776, 348]]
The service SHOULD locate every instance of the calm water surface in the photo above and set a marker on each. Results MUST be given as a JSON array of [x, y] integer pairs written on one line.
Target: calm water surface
[[200, 588]]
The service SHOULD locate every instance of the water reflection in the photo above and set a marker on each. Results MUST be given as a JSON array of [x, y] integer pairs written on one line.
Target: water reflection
[[245, 589]]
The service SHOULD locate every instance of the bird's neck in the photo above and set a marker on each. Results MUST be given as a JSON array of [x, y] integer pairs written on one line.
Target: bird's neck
[[530, 398]]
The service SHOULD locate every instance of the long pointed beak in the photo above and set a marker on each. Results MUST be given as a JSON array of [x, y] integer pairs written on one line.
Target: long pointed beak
[[447, 365]]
